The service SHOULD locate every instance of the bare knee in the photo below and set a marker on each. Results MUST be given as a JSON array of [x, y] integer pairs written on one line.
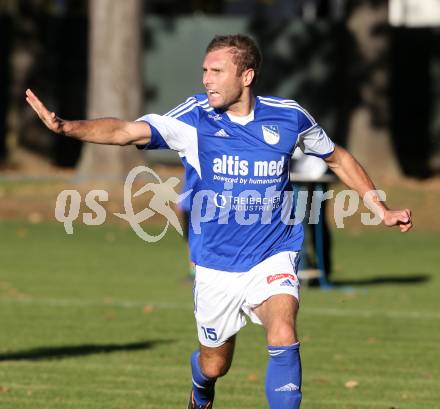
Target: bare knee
[[278, 315], [214, 366], [215, 363], [281, 334]]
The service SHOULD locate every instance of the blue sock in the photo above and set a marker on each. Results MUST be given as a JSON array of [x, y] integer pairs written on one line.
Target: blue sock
[[283, 377], [203, 386]]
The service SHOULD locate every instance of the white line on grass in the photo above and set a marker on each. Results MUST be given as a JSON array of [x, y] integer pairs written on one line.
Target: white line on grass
[[314, 311], [65, 302]]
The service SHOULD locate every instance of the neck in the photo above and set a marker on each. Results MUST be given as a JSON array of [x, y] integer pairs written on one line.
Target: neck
[[243, 106]]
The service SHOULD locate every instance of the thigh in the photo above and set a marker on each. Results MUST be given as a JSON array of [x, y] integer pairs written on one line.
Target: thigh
[[278, 316], [218, 298], [280, 308]]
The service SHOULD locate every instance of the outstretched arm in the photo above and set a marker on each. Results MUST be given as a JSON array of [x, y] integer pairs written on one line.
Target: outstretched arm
[[110, 131], [351, 173]]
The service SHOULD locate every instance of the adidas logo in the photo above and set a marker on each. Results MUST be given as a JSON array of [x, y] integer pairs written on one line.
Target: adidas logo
[[287, 283], [290, 387], [221, 132]]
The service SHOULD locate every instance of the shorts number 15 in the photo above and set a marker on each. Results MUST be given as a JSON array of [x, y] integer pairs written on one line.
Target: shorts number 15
[[210, 333]]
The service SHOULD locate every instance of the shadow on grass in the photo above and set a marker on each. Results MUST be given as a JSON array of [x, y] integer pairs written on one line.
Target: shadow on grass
[[381, 280], [70, 351]]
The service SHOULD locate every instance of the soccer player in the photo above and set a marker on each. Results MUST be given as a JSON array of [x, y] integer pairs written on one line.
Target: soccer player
[[243, 240]]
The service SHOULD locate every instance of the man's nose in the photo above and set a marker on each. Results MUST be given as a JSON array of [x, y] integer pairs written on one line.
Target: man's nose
[[206, 79]]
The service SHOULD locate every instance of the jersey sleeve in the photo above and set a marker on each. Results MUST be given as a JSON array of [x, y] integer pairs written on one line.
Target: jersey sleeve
[[174, 130], [156, 141], [312, 139], [177, 130]]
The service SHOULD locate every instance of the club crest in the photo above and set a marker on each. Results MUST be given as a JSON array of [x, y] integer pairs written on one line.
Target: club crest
[[271, 134]]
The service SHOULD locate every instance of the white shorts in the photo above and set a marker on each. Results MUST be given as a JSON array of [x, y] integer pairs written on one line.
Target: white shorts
[[223, 299]]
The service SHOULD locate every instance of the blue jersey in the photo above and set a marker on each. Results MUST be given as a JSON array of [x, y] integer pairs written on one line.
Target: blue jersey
[[238, 170]]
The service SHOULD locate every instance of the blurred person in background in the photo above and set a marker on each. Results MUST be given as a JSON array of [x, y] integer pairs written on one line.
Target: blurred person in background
[[311, 178]]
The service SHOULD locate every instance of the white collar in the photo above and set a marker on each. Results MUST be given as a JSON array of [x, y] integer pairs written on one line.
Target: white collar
[[242, 120]]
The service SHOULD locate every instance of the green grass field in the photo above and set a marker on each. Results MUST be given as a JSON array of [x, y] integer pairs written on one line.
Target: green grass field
[[101, 319]]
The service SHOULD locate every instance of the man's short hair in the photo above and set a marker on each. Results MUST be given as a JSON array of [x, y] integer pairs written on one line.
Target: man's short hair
[[246, 53]]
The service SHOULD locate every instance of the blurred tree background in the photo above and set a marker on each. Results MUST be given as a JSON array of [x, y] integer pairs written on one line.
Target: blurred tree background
[[115, 83], [373, 86]]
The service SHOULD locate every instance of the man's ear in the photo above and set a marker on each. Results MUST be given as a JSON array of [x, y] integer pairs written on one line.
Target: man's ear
[[248, 76]]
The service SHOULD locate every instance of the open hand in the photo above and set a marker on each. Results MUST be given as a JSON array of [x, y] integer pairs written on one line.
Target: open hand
[[49, 119], [401, 218]]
